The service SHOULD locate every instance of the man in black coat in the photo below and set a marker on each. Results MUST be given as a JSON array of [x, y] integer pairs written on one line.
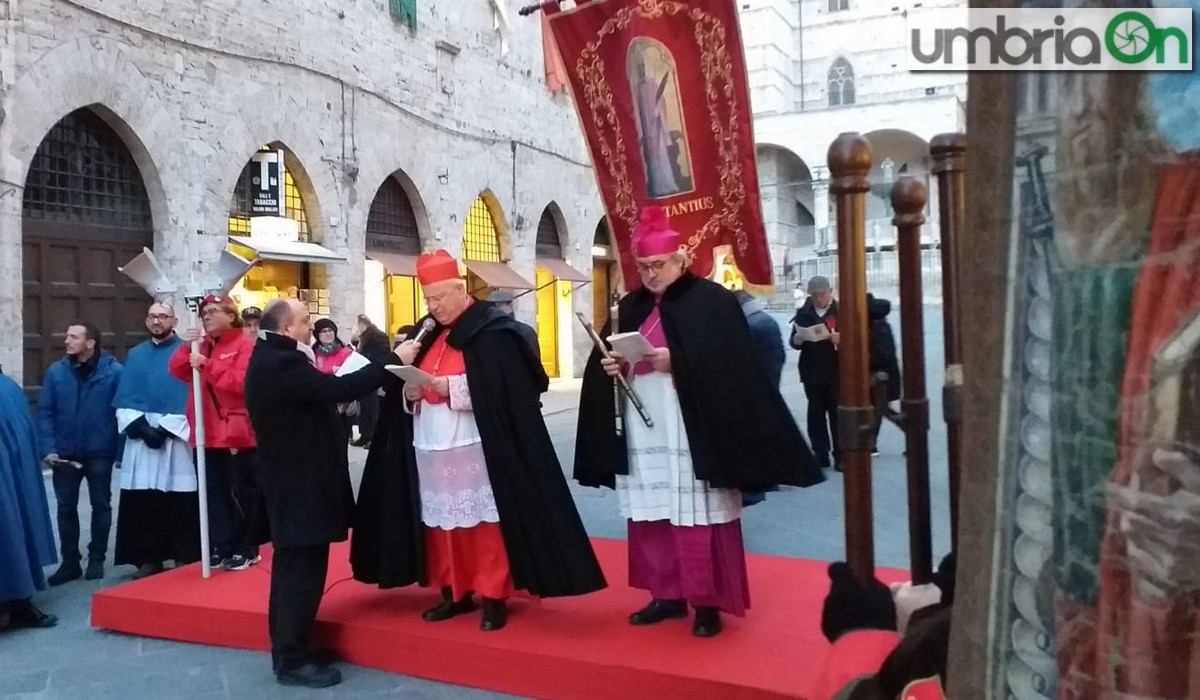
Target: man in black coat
[[819, 369], [680, 489], [883, 352], [305, 478], [426, 513], [373, 344]]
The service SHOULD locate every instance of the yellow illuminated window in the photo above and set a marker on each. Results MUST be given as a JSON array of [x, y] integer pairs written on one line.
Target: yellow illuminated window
[[239, 207], [480, 240]]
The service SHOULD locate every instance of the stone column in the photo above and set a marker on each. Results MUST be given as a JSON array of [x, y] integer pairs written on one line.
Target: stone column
[[11, 292], [821, 212]]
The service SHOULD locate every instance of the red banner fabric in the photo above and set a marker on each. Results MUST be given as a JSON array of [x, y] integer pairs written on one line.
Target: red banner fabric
[[661, 91]]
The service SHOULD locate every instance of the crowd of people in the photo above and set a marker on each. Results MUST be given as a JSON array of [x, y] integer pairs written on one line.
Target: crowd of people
[[462, 490]]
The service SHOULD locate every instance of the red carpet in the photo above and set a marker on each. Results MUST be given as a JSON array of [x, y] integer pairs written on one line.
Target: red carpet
[[561, 648]]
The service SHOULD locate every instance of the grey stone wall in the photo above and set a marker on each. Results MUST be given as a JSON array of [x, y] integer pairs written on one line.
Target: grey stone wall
[[196, 88]]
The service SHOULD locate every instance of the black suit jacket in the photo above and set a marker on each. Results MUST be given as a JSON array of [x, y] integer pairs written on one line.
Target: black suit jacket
[[301, 447]]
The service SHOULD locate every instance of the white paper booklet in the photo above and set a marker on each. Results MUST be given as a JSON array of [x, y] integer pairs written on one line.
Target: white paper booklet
[[411, 375], [633, 347], [812, 334], [352, 364]]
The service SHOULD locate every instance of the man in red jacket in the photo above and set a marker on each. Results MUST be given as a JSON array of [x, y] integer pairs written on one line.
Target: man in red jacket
[[234, 495]]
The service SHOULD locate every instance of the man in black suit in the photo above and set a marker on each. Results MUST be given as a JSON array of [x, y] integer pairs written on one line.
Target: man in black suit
[[305, 478]]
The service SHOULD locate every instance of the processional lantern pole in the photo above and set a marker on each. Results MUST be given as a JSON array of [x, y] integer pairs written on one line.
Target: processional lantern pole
[[850, 158], [949, 152], [149, 275], [908, 201]]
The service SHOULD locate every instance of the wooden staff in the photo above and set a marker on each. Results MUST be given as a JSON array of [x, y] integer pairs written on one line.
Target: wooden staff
[[949, 153], [622, 382], [908, 200], [614, 313], [850, 160]]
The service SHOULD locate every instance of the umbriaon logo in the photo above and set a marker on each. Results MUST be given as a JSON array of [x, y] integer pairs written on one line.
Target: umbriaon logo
[[1039, 39]]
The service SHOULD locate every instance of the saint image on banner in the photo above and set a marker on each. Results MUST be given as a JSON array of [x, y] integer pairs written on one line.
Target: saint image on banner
[[654, 83]]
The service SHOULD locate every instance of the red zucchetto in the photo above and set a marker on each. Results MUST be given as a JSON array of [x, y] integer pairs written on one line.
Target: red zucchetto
[[436, 267]]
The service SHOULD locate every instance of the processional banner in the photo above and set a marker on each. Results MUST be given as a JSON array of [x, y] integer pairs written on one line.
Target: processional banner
[[661, 91]]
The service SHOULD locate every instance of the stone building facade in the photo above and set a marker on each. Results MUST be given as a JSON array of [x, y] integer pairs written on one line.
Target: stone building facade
[[452, 108], [822, 67]]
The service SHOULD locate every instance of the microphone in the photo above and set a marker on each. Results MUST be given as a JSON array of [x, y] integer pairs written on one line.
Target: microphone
[[426, 328]]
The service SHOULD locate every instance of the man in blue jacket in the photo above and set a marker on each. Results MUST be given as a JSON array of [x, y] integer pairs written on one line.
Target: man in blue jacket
[[77, 435]]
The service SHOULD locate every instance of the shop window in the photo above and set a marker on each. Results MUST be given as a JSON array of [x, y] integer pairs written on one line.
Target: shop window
[[480, 239], [392, 223], [548, 243], [239, 207]]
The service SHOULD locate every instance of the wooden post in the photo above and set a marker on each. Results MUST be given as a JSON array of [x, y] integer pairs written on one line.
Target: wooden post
[[949, 153], [908, 200], [850, 160]]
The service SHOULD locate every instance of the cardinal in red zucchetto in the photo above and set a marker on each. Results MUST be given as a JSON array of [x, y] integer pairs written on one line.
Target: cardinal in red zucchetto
[[462, 490]]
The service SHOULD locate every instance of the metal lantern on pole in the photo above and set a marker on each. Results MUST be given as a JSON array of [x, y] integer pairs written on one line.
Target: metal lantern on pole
[[145, 271]]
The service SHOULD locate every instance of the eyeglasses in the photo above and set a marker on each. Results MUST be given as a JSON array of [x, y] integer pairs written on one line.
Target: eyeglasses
[[656, 266], [212, 310], [160, 317]]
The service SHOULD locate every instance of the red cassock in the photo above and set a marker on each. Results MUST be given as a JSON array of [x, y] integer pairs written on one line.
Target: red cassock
[[464, 559]]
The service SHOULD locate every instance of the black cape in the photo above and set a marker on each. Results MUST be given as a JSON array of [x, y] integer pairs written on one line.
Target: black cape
[[548, 549], [741, 433]]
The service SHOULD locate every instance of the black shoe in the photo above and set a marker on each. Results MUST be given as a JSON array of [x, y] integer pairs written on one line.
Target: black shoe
[[707, 623], [361, 442], [449, 607], [24, 614], [657, 611], [495, 615], [65, 574], [310, 676], [147, 570], [323, 657], [95, 571], [823, 460], [837, 465]]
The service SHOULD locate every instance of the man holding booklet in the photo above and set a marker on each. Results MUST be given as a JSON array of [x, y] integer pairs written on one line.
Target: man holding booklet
[[462, 490], [718, 424]]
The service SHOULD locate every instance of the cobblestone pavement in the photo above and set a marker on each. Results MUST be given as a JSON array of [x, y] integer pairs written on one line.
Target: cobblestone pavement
[[74, 661]]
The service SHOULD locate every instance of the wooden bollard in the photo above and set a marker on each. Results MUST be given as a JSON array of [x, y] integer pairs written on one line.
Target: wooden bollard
[[850, 159], [908, 200], [949, 152]]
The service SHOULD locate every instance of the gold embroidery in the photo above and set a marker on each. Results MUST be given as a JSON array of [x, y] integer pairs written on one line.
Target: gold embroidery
[[725, 117]]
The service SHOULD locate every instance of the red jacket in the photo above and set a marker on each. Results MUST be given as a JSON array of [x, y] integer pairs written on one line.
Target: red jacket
[[331, 363], [222, 389]]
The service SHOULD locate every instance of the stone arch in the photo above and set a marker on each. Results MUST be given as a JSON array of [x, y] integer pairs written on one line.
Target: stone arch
[[552, 239], [307, 211], [252, 127], [840, 83], [897, 152], [789, 201], [412, 197], [91, 73], [85, 211], [486, 202]]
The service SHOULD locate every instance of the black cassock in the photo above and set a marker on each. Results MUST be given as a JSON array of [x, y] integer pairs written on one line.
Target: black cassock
[[548, 549], [740, 431]]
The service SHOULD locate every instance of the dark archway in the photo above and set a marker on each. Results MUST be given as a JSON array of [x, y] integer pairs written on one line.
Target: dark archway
[[85, 212]]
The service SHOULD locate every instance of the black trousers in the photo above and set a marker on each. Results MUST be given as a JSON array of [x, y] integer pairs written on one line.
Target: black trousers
[[368, 414], [297, 584], [235, 502], [823, 420]]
